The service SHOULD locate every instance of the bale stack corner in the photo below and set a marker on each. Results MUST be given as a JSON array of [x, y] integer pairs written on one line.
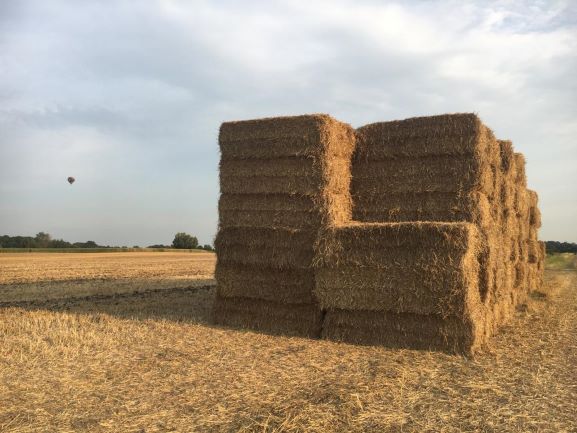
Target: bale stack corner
[[417, 233]]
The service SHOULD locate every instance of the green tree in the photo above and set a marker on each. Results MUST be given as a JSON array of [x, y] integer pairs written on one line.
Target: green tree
[[42, 240], [184, 241]]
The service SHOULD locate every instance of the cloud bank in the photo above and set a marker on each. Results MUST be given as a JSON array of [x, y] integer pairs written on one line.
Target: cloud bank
[[127, 96]]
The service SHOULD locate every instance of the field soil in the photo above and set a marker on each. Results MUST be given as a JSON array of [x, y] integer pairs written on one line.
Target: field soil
[[147, 359]]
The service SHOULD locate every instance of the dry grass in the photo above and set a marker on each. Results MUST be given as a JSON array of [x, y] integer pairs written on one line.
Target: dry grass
[[150, 362], [41, 276]]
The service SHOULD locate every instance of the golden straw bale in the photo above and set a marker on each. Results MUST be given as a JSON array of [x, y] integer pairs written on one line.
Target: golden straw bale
[[290, 286], [520, 175], [304, 320], [429, 206], [448, 134], [406, 330], [401, 267]]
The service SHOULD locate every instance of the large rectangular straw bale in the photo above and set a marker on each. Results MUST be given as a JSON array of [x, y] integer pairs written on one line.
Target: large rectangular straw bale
[[521, 203], [534, 251], [520, 175], [428, 206], [296, 185], [288, 286], [449, 134], [436, 173], [279, 210], [534, 212], [406, 330], [277, 137], [520, 276], [506, 152], [401, 267], [303, 320], [279, 248]]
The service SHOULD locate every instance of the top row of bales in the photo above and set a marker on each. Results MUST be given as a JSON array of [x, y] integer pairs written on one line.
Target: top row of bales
[[426, 253]]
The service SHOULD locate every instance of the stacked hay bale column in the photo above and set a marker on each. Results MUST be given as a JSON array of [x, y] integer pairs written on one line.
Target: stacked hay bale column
[[283, 181], [531, 252]]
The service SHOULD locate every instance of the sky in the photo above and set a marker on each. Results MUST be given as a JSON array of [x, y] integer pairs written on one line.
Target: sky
[[128, 96]]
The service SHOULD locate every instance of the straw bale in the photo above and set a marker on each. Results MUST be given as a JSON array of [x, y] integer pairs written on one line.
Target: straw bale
[[340, 244], [534, 212], [282, 219], [502, 313], [514, 252], [297, 185], [507, 157], [411, 267], [405, 330], [507, 193], [304, 320], [532, 232], [520, 276], [265, 202], [274, 167], [271, 256], [520, 176], [258, 238], [418, 175], [542, 250], [270, 247], [534, 251], [279, 210], [509, 224], [429, 206], [279, 285], [521, 202], [450, 134], [279, 169], [277, 137]]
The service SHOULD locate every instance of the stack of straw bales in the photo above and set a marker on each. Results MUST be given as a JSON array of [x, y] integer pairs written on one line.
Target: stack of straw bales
[[282, 180], [408, 284], [435, 251]]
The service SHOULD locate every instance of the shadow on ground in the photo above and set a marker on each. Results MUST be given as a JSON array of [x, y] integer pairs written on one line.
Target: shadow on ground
[[189, 304]]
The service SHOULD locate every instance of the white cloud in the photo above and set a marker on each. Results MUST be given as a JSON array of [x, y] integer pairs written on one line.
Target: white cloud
[[136, 90]]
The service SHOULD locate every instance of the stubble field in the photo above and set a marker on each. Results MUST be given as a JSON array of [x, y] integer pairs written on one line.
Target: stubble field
[[123, 342]]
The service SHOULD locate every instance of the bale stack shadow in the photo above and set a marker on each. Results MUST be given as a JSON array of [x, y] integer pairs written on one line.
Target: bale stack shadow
[[418, 233]]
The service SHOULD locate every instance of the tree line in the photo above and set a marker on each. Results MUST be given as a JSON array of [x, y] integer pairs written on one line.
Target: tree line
[[561, 247], [44, 240]]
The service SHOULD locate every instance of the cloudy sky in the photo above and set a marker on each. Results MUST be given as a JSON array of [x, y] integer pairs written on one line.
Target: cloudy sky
[[128, 96]]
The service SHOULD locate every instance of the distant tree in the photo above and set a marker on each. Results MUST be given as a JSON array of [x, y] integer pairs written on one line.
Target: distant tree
[[59, 243], [560, 247], [42, 240], [184, 241], [207, 247], [159, 246]]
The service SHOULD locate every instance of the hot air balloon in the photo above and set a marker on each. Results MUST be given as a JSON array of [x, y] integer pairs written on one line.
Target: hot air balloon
[[71, 180]]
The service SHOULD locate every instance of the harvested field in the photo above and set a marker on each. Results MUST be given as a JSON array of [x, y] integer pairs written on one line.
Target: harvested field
[[151, 361], [41, 276]]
